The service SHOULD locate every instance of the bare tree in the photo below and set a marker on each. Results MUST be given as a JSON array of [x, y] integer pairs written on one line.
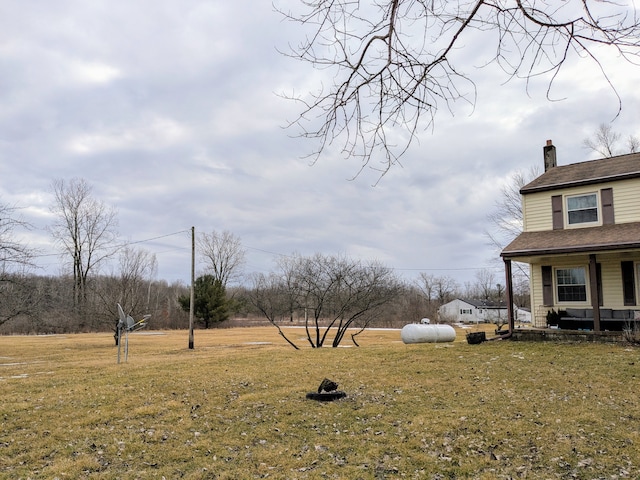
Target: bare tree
[[485, 283], [605, 142], [436, 290], [507, 218], [507, 222], [289, 277], [16, 260], [130, 286], [445, 289], [14, 254], [223, 255], [334, 293], [393, 62], [137, 268], [272, 297], [84, 229]]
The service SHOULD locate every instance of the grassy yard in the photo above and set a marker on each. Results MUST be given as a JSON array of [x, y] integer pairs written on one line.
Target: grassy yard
[[235, 408]]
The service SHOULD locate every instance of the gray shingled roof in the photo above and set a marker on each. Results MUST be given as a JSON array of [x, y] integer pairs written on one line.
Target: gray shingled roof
[[621, 236], [488, 304], [585, 173]]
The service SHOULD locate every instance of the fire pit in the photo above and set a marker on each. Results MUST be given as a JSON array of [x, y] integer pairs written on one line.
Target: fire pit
[[327, 392]]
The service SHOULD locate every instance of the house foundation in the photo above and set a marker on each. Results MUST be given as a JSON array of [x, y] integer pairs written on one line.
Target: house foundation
[[557, 335]]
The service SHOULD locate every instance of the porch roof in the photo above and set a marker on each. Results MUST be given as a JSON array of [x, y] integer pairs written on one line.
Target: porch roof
[[622, 236]]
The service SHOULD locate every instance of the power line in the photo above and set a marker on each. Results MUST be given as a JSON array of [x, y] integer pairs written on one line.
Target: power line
[[126, 244], [187, 231], [493, 267]]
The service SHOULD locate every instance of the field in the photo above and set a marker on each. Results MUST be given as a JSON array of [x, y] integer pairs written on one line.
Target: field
[[235, 408]]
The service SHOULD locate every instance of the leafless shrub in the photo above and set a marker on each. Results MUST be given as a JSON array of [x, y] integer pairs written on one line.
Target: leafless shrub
[[632, 333]]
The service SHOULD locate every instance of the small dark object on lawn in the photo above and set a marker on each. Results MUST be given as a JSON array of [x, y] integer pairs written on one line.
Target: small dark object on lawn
[[327, 385], [327, 392], [326, 396], [475, 338]]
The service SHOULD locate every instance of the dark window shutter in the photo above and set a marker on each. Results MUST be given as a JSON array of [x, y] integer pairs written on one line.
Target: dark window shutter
[[628, 283], [547, 285], [556, 208], [606, 196]]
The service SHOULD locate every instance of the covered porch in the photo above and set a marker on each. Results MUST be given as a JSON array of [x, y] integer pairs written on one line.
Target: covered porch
[[580, 280]]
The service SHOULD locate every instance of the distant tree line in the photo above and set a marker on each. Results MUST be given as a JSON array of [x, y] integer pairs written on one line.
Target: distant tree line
[[45, 304], [321, 292], [366, 298]]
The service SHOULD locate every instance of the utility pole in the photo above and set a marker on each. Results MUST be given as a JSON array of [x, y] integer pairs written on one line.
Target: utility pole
[[193, 295]]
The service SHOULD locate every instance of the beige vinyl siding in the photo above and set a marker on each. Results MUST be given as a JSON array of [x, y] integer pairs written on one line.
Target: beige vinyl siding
[[536, 207], [612, 284], [626, 200], [612, 292], [538, 313]]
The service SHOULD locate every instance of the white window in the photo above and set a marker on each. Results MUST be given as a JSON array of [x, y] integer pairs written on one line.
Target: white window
[[582, 209], [571, 284]]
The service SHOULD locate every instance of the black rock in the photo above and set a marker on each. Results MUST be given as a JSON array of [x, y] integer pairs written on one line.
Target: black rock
[[327, 386]]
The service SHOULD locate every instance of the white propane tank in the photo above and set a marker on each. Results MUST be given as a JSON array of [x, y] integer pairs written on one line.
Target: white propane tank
[[417, 333]]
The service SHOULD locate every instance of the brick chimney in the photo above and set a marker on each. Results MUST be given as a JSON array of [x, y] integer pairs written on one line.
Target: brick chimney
[[549, 152]]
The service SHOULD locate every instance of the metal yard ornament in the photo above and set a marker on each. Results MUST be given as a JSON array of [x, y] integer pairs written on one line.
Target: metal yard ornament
[[128, 324]]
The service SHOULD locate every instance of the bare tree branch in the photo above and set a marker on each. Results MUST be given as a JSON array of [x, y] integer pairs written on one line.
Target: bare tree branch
[[393, 62], [16, 259], [507, 219], [14, 254], [605, 142]]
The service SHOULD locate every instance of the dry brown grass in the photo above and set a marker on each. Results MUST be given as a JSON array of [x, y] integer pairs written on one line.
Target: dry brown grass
[[233, 408]]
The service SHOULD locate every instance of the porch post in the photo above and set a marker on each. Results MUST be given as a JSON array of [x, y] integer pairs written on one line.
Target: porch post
[[509, 294], [593, 289]]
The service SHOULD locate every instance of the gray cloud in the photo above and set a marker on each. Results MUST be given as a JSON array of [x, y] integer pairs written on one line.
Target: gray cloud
[[171, 110]]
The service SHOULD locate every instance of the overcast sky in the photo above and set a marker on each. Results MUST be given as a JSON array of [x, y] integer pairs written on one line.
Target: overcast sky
[[170, 110]]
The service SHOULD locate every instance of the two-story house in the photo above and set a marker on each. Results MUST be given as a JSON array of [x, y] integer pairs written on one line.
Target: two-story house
[[581, 239]]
